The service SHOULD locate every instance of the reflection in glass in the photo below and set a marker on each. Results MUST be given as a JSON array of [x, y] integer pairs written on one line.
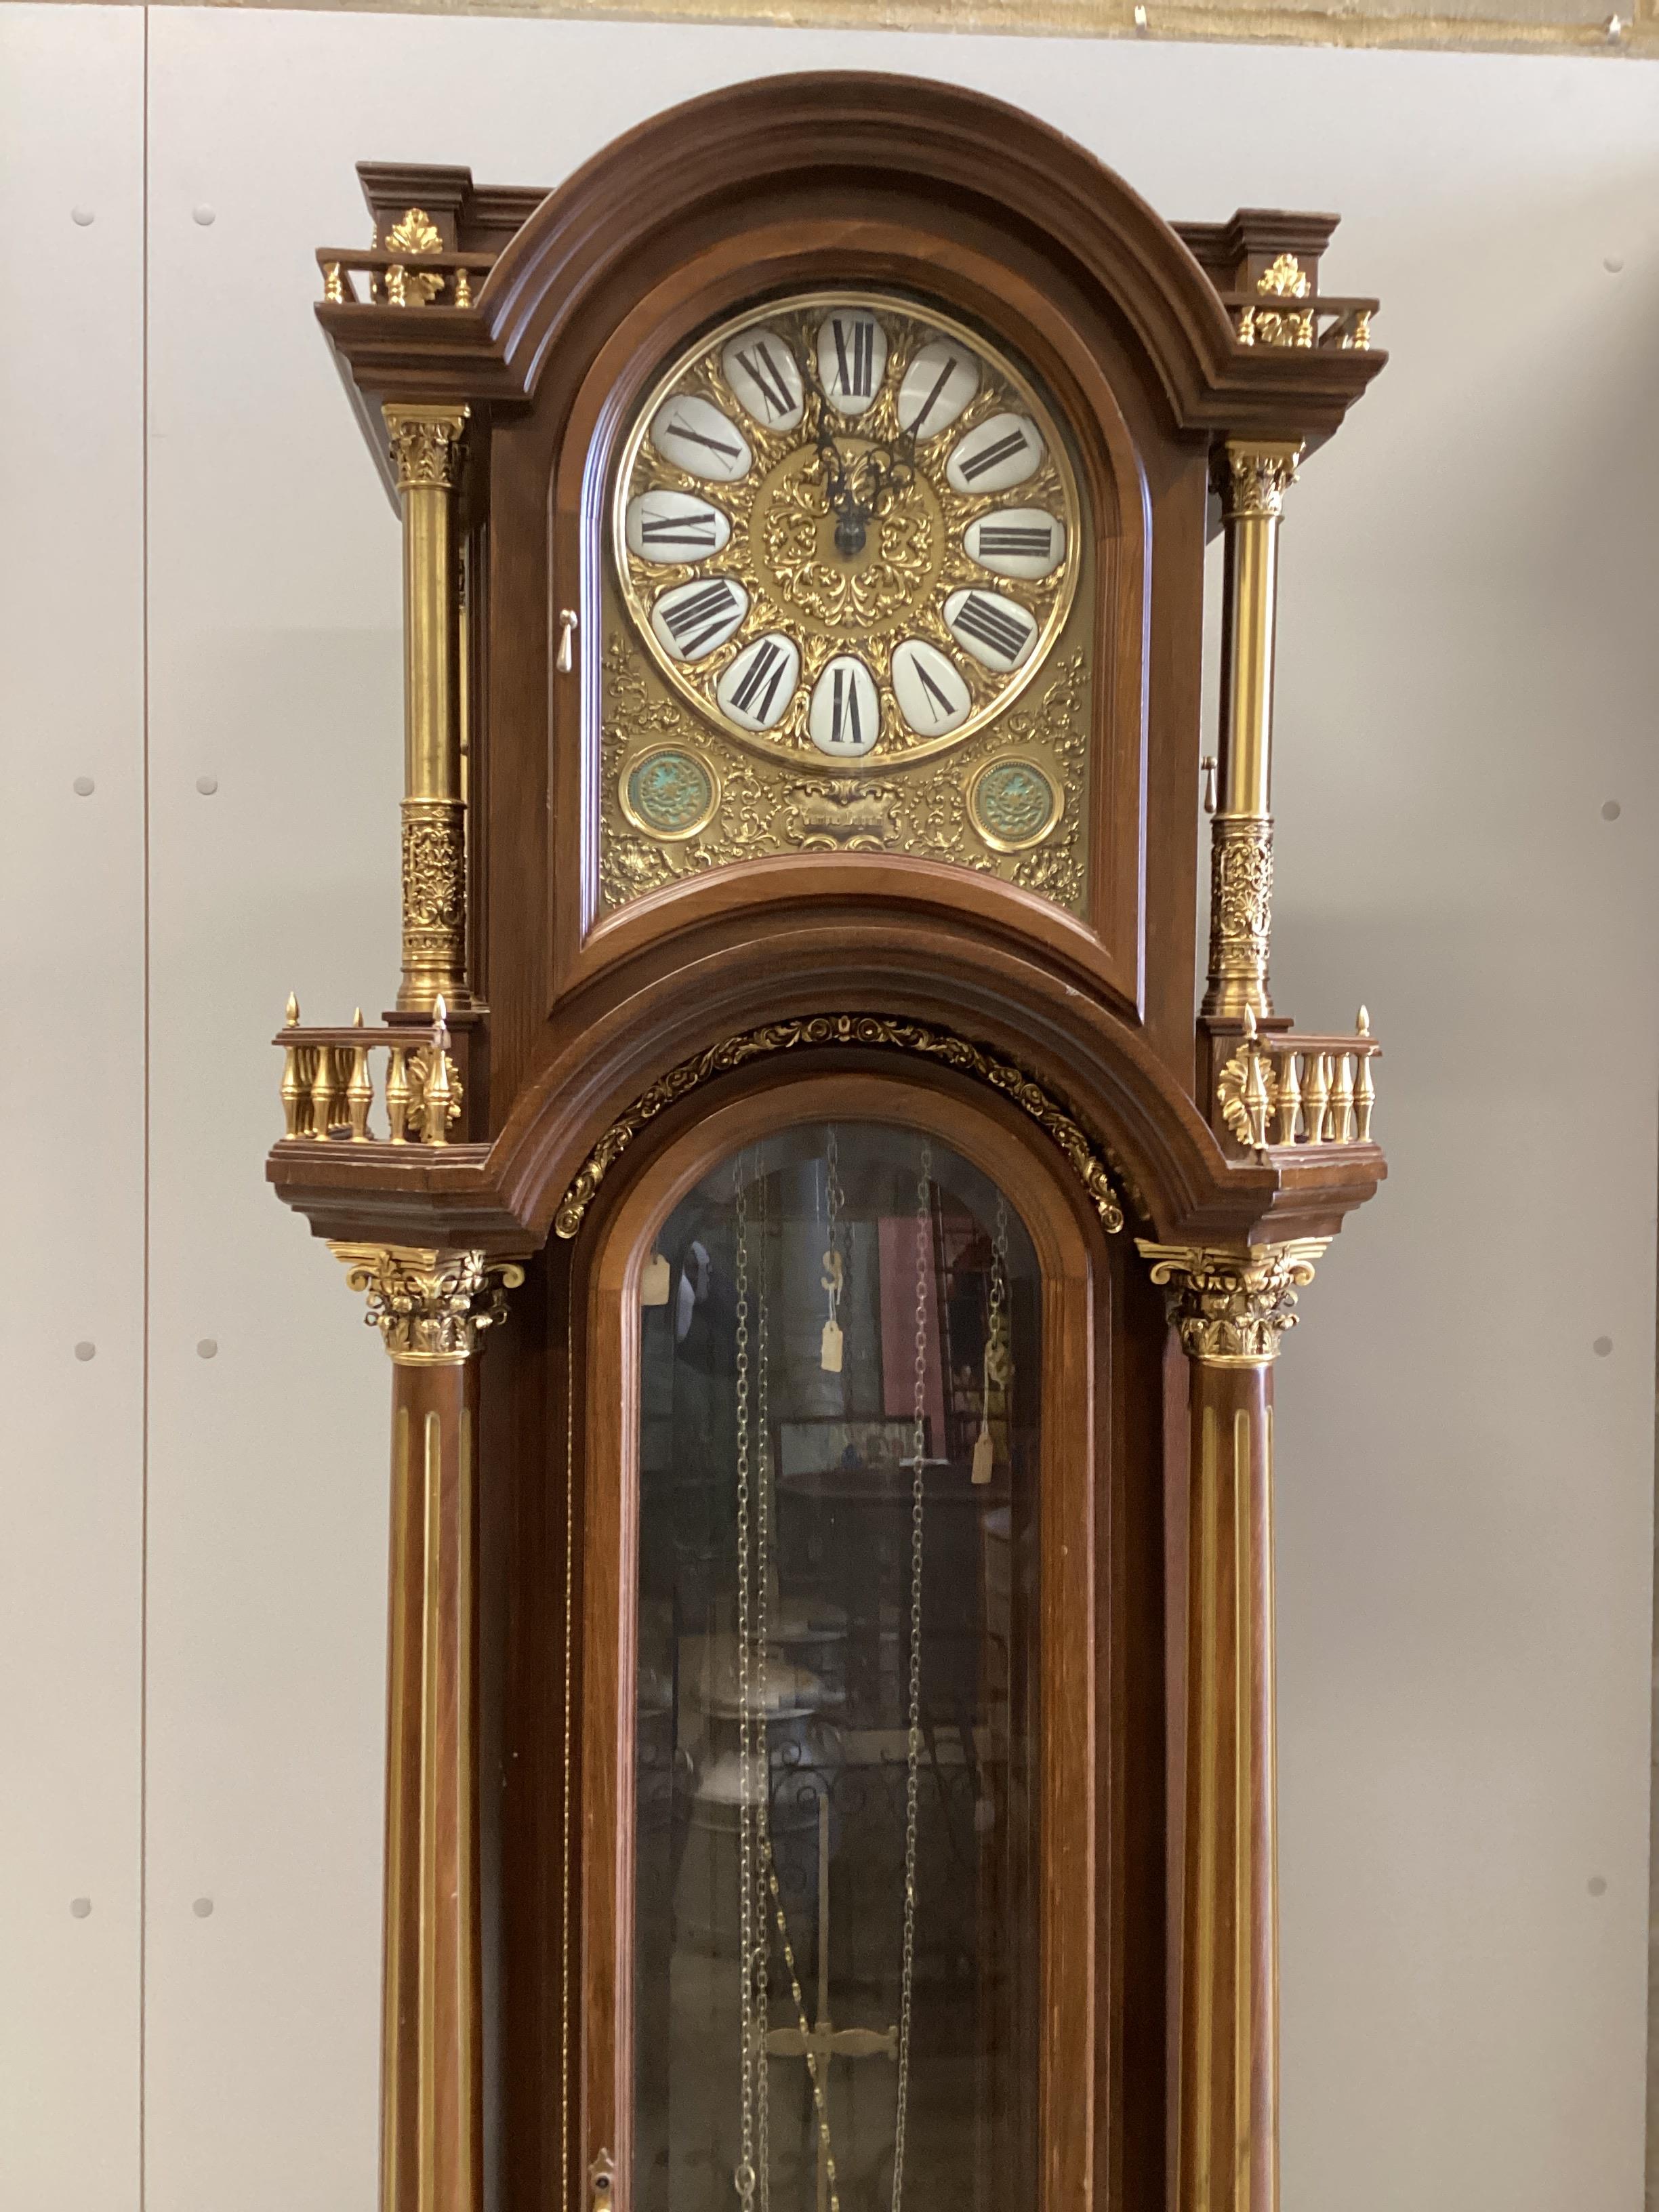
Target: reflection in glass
[[834, 1962]]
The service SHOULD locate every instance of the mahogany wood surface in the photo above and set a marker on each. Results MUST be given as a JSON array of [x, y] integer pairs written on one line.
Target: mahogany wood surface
[[1227, 2148], [431, 2114]]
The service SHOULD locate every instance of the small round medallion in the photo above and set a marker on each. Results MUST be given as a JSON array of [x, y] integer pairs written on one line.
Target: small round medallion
[[669, 793], [1013, 802]]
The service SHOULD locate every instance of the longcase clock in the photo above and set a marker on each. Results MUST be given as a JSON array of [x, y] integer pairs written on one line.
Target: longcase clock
[[830, 1707]]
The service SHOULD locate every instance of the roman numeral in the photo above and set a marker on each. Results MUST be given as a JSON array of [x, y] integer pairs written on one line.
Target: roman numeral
[[695, 532], [696, 620], [770, 661], [1015, 541], [1001, 449], [945, 375], [678, 429], [919, 669], [844, 725], [853, 377], [994, 626], [769, 380]]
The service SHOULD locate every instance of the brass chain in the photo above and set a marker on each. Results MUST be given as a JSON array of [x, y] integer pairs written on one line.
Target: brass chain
[[752, 2175], [997, 1329], [755, 1983], [913, 1741], [762, 1585], [744, 2175]]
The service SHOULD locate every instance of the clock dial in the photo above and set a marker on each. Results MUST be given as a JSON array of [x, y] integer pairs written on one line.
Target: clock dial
[[940, 380], [852, 359], [758, 687], [1016, 541], [694, 619], [765, 376], [847, 530], [675, 525], [844, 719], [1005, 451], [932, 692], [694, 435], [997, 631]]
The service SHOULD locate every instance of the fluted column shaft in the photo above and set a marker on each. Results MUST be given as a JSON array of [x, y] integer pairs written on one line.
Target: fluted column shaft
[[1230, 1310], [431, 1308]]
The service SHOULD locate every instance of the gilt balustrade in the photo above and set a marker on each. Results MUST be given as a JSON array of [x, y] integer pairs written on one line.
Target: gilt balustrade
[[330, 1092]]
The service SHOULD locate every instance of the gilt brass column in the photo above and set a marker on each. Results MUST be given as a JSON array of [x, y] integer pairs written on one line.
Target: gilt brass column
[[1231, 1309], [426, 447], [1253, 477], [431, 1308]]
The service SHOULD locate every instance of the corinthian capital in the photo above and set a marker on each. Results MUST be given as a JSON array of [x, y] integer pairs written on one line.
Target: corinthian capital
[[431, 1308], [1256, 475], [1232, 1308], [426, 443]]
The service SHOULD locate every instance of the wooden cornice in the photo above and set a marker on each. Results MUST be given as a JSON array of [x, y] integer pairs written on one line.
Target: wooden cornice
[[1171, 1171], [712, 166]]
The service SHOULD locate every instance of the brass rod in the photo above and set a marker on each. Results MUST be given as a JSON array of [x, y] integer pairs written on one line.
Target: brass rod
[[1254, 476], [426, 446]]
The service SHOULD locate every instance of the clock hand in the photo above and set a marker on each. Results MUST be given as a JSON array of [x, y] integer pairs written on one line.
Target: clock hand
[[881, 472]]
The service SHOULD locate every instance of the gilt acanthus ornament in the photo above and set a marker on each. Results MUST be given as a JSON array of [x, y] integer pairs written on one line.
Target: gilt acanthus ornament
[[1241, 893], [1254, 479], [863, 1029], [434, 863], [430, 1307], [1232, 1308], [426, 446]]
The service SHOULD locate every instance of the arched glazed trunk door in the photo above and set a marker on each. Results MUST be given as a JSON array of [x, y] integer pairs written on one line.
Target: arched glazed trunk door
[[845, 1766]]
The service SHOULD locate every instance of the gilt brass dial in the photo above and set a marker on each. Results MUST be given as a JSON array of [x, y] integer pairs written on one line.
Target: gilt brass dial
[[847, 530]]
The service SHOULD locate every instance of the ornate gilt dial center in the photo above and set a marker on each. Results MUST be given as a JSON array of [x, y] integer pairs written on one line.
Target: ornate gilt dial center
[[856, 594], [847, 530]]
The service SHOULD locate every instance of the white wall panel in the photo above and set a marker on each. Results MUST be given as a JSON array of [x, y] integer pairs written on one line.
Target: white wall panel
[[275, 669], [71, 1128], [1467, 1485]]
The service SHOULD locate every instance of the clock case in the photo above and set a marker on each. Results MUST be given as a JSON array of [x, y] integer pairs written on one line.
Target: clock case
[[1186, 1169]]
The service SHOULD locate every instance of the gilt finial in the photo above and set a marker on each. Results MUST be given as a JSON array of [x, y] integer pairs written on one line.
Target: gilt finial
[[357, 1019], [1363, 1025], [1249, 1021], [291, 1011]]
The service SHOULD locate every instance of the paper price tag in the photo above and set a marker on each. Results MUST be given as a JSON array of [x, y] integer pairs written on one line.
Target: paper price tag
[[653, 1284], [829, 1356]]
